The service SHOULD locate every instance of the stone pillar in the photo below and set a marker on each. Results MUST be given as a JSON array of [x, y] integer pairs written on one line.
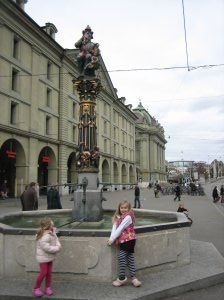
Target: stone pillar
[[88, 90], [63, 168], [88, 197], [33, 159]]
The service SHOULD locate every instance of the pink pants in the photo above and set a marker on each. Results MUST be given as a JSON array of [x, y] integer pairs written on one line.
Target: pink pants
[[45, 271]]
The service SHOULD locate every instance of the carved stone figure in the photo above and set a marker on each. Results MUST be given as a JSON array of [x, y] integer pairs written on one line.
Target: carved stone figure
[[87, 58], [85, 157], [95, 157]]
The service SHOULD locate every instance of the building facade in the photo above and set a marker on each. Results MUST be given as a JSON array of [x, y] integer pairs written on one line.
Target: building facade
[[39, 113], [216, 169], [149, 147]]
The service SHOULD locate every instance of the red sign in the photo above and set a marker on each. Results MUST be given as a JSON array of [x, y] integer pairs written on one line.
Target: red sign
[[46, 159], [11, 154]]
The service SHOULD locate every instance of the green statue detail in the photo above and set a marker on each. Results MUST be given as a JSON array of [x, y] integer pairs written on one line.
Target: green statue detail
[[88, 57]]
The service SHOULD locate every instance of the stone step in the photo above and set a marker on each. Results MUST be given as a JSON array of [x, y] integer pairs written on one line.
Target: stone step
[[206, 269]]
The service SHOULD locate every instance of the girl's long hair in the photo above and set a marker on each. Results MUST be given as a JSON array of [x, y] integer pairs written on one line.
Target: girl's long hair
[[45, 224], [118, 212]]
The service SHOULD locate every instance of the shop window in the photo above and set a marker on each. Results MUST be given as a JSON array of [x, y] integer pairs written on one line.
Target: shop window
[[114, 133], [49, 70], [15, 79], [105, 108], [48, 101], [48, 120], [105, 145], [74, 133], [115, 149], [15, 47], [13, 113], [105, 127], [74, 110]]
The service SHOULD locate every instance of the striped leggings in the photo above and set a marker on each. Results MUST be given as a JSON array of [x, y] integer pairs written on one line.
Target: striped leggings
[[126, 259]]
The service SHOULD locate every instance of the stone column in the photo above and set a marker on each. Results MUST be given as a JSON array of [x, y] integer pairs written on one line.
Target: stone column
[[33, 159], [88, 197]]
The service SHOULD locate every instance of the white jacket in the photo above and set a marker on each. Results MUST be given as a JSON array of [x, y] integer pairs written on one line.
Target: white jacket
[[47, 247]]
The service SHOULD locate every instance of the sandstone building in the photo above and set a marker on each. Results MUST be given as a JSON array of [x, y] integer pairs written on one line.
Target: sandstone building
[[40, 113]]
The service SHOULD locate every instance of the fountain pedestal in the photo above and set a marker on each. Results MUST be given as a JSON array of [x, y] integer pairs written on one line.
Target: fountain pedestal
[[88, 199]]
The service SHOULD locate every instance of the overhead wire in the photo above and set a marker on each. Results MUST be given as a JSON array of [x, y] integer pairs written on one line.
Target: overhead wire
[[185, 35], [191, 68], [196, 138], [129, 70], [190, 98]]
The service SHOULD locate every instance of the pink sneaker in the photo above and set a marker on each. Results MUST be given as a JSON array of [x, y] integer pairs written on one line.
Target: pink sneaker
[[48, 291], [37, 292], [136, 282], [119, 282]]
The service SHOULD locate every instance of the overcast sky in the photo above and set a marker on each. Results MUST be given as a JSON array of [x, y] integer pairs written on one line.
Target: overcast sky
[[144, 34]]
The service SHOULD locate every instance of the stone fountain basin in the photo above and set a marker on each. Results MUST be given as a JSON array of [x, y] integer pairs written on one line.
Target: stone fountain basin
[[85, 254]]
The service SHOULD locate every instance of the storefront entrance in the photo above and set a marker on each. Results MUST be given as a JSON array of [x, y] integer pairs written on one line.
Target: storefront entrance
[[47, 169], [12, 167]]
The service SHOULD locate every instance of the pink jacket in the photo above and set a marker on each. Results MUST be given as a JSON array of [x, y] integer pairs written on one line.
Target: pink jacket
[[47, 247]]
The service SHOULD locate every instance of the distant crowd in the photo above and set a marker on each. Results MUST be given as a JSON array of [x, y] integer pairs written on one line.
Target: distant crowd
[[191, 189]]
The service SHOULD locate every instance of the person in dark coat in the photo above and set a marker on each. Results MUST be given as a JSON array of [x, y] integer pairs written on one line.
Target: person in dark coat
[[137, 197], [215, 194], [193, 189], [53, 198], [177, 193], [30, 200], [22, 197], [222, 193], [4, 190]]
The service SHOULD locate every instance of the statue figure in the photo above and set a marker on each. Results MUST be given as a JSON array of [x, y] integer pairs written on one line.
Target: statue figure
[[85, 157], [95, 157], [87, 58]]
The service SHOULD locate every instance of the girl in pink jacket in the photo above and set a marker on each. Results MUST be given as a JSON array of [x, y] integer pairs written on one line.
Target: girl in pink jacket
[[124, 234], [46, 248]]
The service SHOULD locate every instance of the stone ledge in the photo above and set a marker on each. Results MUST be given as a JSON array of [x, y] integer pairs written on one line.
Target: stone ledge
[[206, 269]]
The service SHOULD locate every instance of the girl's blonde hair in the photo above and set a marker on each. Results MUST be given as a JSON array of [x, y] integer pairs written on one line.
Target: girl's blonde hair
[[118, 212], [45, 224]]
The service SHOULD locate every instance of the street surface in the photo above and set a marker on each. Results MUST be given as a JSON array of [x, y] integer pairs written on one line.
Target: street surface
[[208, 221]]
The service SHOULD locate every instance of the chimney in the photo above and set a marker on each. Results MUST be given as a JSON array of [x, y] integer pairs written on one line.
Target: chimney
[[21, 3], [50, 29], [122, 99]]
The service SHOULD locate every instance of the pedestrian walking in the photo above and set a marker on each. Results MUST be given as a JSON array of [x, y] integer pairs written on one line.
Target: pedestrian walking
[[124, 234], [30, 200], [46, 248], [215, 194], [193, 189], [53, 198], [4, 190], [22, 197], [137, 197], [149, 185], [157, 189], [222, 193], [177, 193]]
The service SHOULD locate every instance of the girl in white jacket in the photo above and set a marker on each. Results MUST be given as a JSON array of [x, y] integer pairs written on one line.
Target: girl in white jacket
[[47, 247]]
